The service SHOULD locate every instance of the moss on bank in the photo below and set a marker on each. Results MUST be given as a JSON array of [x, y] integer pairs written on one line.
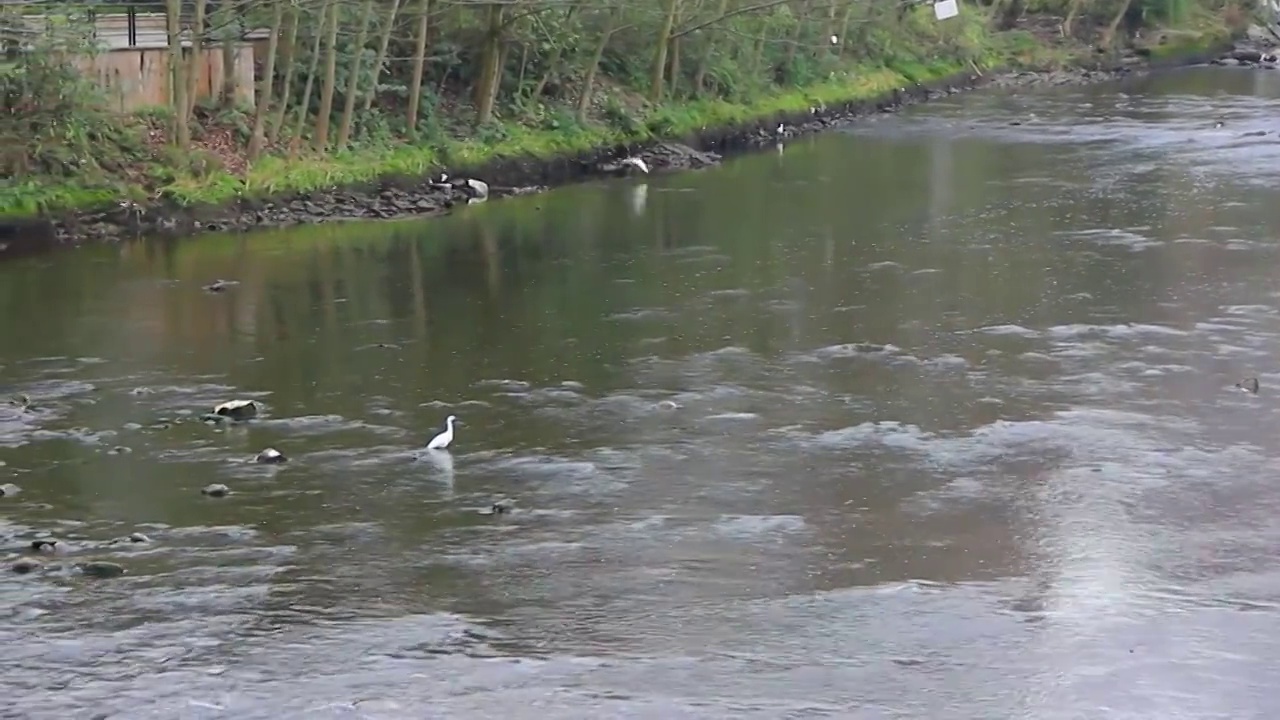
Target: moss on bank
[[148, 173]]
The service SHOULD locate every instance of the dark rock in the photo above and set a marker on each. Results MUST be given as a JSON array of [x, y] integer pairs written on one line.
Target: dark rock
[[215, 490], [502, 507], [49, 546], [22, 566], [218, 286], [101, 569], [1245, 55]]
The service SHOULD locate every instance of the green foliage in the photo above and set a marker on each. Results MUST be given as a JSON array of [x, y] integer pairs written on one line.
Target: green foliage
[[32, 197], [54, 122]]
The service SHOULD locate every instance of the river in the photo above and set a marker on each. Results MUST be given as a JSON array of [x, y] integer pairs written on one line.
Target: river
[[934, 417]]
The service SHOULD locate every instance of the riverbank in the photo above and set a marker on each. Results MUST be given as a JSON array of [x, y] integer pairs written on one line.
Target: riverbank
[[407, 181]]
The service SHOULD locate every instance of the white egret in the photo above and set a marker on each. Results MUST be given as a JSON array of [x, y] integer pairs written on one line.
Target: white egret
[[636, 163], [441, 441], [237, 409]]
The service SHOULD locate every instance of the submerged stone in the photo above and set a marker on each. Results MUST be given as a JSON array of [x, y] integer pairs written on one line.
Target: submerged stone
[[102, 569], [215, 490], [22, 566], [9, 489], [219, 285]]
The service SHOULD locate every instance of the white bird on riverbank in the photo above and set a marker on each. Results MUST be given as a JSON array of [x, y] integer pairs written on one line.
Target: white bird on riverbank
[[441, 441], [636, 163]]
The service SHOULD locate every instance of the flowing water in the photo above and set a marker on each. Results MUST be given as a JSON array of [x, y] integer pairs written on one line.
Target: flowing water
[[931, 418]]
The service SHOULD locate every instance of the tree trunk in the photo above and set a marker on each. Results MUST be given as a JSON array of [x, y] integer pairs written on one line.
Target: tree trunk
[[659, 66], [289, 53], [486, 89], [757, 58], [844, 31], [321, 139], [381, 58], [700, 74], [673, 67], [829, 49], [312, 68], [257, 137], [588, 82], [195, 61], [1109, 35], [1011, 14], [419, 61], [181, 130], [230, 22], [802, 16], [353, 78], [553, 64], [1069, 23], [229, 84]]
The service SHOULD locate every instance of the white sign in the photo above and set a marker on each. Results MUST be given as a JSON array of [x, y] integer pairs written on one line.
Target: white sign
[[946, 9]]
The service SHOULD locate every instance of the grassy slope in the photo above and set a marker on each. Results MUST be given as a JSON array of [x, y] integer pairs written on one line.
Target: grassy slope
[[275, 175]]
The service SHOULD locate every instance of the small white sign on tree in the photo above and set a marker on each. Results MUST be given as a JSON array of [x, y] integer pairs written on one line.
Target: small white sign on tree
[[946, 9]]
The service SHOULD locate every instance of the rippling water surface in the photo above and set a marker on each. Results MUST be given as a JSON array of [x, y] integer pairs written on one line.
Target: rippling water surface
[[932, 418]]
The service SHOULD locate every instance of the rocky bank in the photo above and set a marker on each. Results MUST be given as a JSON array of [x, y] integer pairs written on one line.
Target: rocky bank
[[401, 197], [1257, 49]]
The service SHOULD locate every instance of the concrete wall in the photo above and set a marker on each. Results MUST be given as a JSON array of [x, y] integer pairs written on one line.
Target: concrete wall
[[136, 78], [135, 71]]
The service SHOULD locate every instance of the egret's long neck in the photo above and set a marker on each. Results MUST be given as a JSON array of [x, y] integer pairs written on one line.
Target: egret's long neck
[[449, 422]]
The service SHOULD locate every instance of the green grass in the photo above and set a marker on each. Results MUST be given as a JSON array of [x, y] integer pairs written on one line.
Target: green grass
[[279, 176], [31, 198], [276, 176]]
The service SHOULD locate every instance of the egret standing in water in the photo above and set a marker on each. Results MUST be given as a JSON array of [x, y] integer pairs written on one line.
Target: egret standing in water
[[441, 441]]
